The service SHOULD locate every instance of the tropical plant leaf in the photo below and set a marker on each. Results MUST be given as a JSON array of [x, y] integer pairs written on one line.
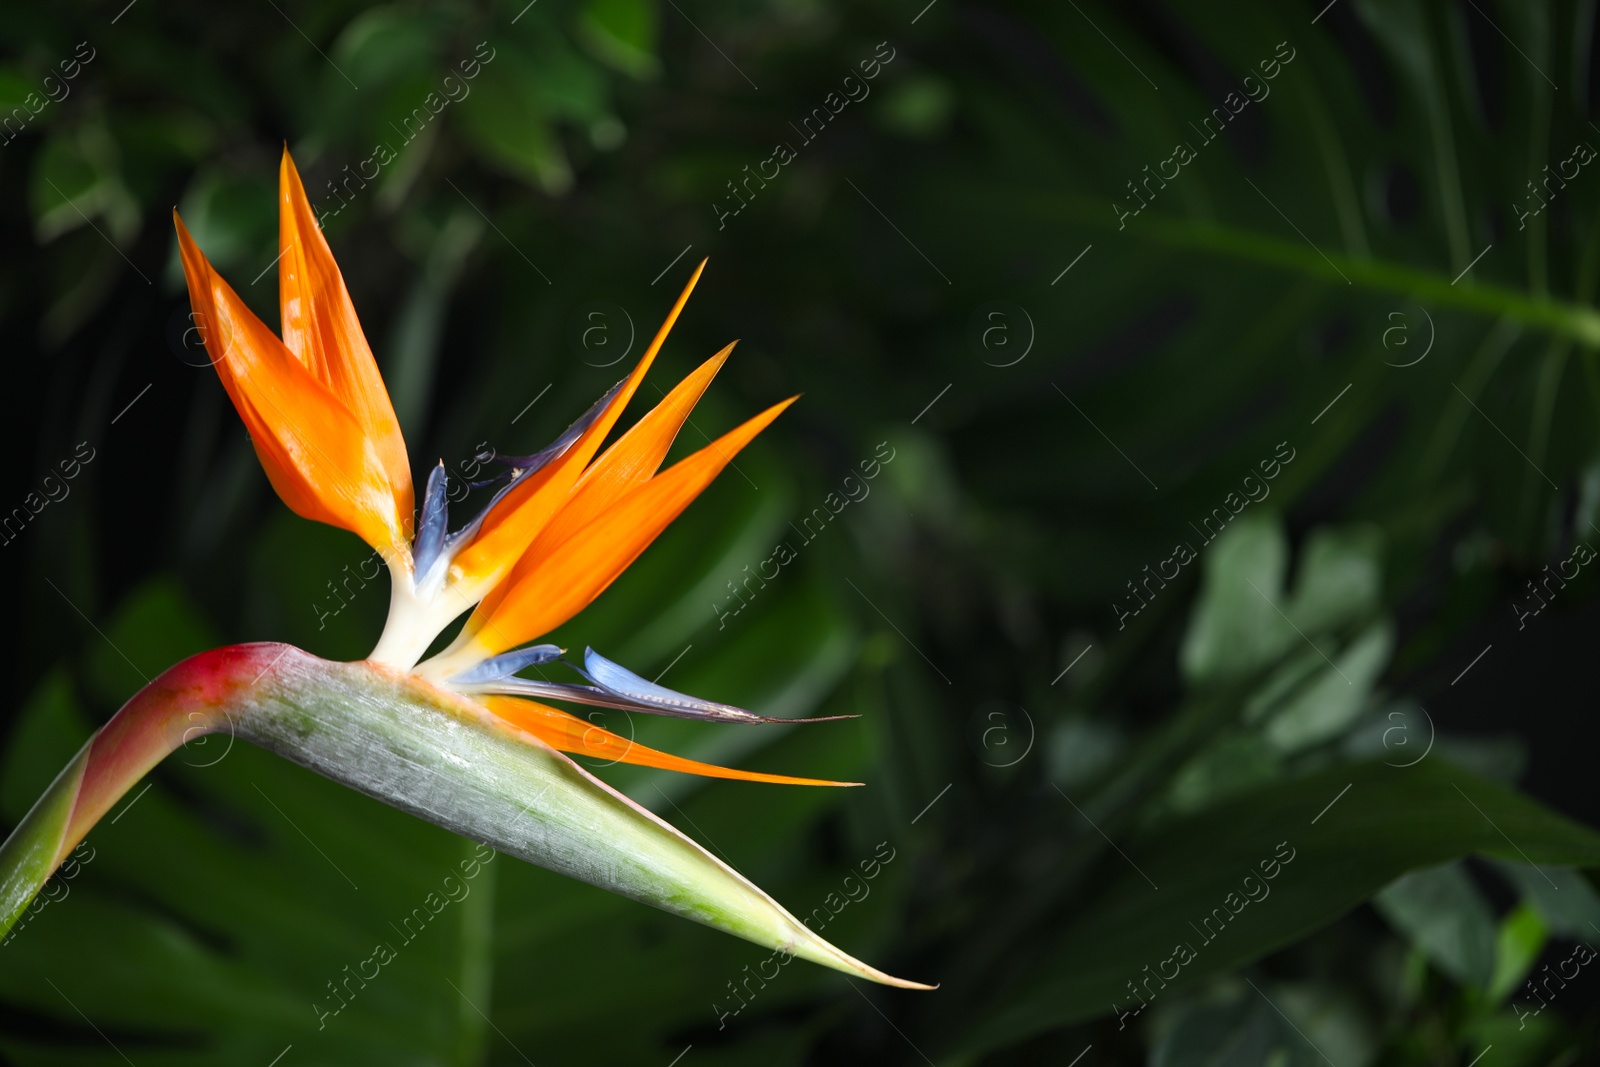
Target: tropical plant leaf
[[1349, 830]]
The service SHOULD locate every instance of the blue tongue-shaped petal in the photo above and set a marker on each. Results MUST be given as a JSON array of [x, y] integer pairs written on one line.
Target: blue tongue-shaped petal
[[523, 467], [435, 516], [526, 465], [614, 687], [509, 663], [617, 681]]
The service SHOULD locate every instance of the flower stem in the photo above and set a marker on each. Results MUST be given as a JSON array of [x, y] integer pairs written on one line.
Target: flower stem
[[187, 701]]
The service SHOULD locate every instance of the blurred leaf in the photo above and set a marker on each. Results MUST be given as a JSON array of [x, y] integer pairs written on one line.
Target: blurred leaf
[[1080, 748], [15, 83], [48, 733], [1340, 578], [1329, 704], [1324, 1023], [1442, 913], [75, 180], [1564, 898], [1243, 622], [234, 218], [1521, 938], [1386, 823], [410, 371], [917, 106], [154, 628], [1236, 626], [1234, 765], [622, 33], [505, 118], [1525, 1039], [382, 44], [1245, 1033]]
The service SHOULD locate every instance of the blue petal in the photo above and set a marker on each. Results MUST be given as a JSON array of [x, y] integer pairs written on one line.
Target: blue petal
[[641, 695], [660, 700], [435, 515], [524, 466], [508, 663]]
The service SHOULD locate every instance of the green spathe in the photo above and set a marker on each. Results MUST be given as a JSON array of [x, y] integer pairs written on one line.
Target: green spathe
[[446, 759]]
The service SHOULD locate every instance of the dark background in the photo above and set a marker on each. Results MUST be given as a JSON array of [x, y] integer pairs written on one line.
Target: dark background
[[1054, 431]]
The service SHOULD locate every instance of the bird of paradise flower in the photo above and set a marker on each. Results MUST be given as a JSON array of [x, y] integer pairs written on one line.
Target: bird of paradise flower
[[456, 738]]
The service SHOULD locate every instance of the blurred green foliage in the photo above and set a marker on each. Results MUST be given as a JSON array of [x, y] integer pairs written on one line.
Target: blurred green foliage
[[1365, 264]]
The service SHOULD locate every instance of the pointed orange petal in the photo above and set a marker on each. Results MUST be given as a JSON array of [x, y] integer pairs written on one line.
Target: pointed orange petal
[[635, 457], [510, 528], [313, 449], [553, 582], [321, 329], [567, 732]]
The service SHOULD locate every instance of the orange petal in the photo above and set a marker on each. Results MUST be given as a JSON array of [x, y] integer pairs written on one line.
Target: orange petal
[[553, 582], [516, 520], [566, 732], [635, 457], [315, 452], [320, 327]]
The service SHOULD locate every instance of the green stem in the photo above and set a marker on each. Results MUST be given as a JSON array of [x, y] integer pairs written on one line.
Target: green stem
[[32, 852], [1558, 316], [185, 702]]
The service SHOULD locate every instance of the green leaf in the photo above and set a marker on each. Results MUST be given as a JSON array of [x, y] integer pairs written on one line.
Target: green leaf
[[1564, 898], [28, 855], [154, 628], [1343, 845], [382, 44], [1331, 702], [49, 731], [1340, 578], [506, 119], [1233, 765], [1245, 1032], [1236, 627], [1442, 913], [76, 178], [622, 33], [1521, 938]]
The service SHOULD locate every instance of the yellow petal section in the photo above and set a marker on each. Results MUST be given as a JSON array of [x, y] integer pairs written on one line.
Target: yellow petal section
[[555, 580], [516, 520], [315, 451], [567, 732], [320, 327]]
